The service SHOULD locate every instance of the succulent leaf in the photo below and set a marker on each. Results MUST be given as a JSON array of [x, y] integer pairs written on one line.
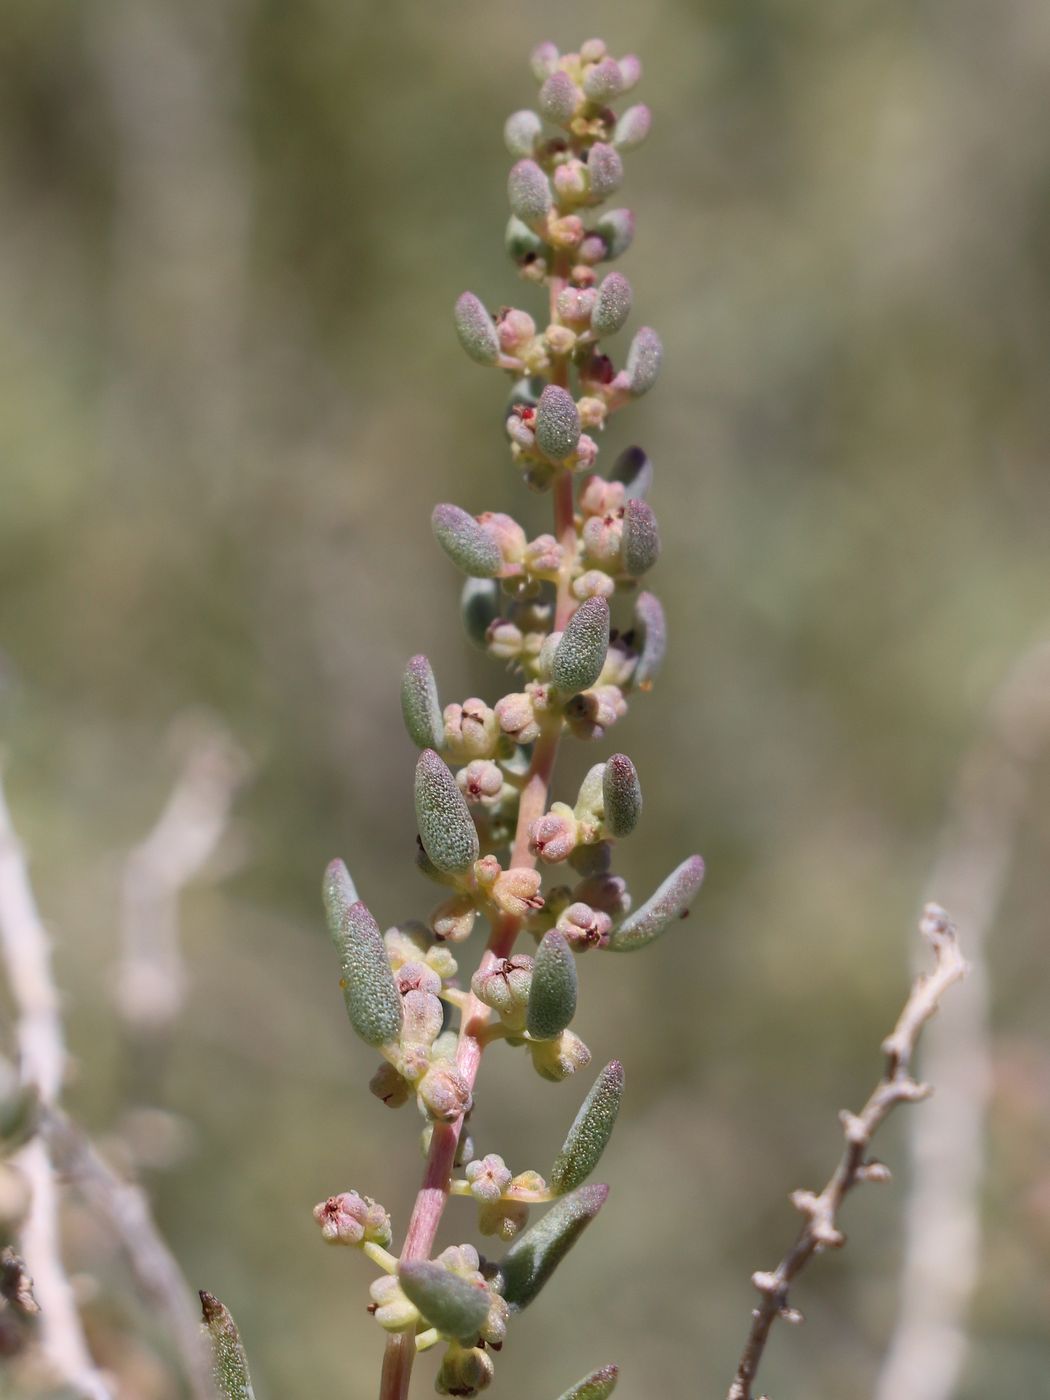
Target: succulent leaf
[[522, 130], [590, 1131], [557, 423], [534, 1256], [229, 1363], [643, 361], [469, 545], [599, 1385], [584, 645], [652, 626], [552, 995], [479, 605], [420, 705], [373, 1002], [529, 192], [616, 229], [632, 127], [633, 468], [613, 305], [446, 828], [338, 892], [641, 538], [476, 331], [621, 796], [454, 1305], [671, 901]]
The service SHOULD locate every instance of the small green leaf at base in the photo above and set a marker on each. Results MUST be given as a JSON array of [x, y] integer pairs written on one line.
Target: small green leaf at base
[[420, 705], [229, 1363], [599, 1385], [373, 1002], [534, 1256], [671, 901], [446, 827], [454, 1305], [590, 1132]]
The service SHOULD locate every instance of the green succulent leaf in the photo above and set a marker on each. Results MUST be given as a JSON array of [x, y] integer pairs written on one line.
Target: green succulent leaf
[[584, 645], [652, 632], [372, 999], [479, 605], [420, 705], [229, 1363], [641, 538], [557, 423], [643, 361], [590, 1132], [634, 470], [446, 827], [454, 1305], [552, 996], [475, 329], [671, 901], [616, 229], [621, 795], [534, 1256], [529, 192], [599, 1385], [469, 545], [613, 305]]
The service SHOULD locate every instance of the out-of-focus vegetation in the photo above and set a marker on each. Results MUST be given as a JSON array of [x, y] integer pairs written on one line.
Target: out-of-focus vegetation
[[232, 234]]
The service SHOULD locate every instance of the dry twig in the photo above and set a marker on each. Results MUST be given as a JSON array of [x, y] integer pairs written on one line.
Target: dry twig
[[942, 1232], [897, 1085], [42, 1053]]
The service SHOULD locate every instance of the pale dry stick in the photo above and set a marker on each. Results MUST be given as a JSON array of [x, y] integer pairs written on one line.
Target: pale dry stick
[[124, 1208], [42, 1053], [151, 981], [434, 1193], [942, 1231], [821, 1230]]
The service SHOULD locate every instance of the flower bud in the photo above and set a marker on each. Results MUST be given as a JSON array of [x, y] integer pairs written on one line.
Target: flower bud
[[517, 891], [543, 557], [553, 836], [598, 1385], [529, 192], [389, 1085], [650, 624], [594, 583], [583, 927], [603, 82], [521, 131], [444, 1094], [481, 781], [534, 1256], [446, 827], [574, 306], [604, 171], [522, 245], [515, 329], [581, 652], [544, 59], [420, 706], [372, 1000], [517, 718], [671, 901], [621, 796], [476, 332], [557, 1059], [633, 127], [557, 423], [390, 1307], [604, 892], [613, 305], [470, 730], [352, 1219], [559, 97], [633, 470], [453, 921], [643, 361], [504, 985], [464, 1371], [593, 50], [616, 230], [505, 1219], [630, 71], [603, 541], [489, 1177], [552, 997]]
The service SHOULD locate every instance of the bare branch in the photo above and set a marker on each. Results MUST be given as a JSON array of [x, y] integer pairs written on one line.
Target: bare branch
[[42, 1052], [942, 1218], [821, 1229], [151, 981]]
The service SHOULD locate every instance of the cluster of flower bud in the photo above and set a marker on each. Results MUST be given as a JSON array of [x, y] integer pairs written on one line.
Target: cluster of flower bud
[[352, 1219]]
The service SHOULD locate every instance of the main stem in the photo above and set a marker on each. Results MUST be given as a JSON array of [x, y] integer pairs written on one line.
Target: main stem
[[434, 1192]]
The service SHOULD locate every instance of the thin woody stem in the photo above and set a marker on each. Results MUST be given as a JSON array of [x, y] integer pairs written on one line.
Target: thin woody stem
[[821, 1230]]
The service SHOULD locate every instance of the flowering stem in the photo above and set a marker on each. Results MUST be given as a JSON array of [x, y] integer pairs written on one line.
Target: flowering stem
[[437, 1179]]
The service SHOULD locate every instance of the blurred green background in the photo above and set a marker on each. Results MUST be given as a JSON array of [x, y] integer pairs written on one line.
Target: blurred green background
[[232, 233]]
